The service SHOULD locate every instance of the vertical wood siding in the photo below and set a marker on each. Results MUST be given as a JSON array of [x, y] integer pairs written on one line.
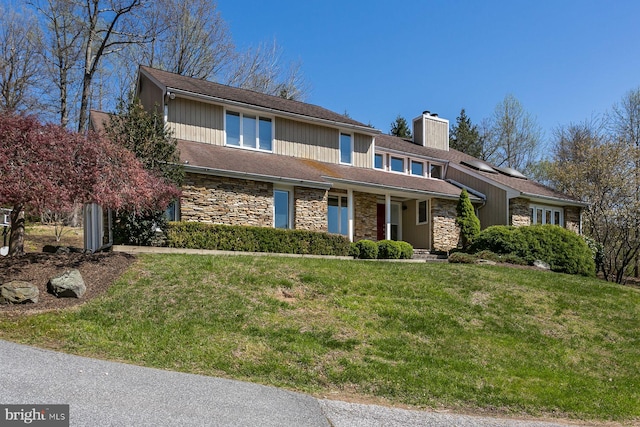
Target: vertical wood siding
[[496, 210], [320, 143], [150, 95], [196, 121]]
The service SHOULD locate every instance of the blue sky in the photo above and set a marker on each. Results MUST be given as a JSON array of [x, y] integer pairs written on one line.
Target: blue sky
[[564, 60]]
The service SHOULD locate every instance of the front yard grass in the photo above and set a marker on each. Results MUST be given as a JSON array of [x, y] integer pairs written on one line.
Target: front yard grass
[[464, 337]]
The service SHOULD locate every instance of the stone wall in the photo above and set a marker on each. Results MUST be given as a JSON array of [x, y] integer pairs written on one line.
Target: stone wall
[[365, 216], [310, 209], [572, 219], [446, 234], [230, 201], [519, 213]]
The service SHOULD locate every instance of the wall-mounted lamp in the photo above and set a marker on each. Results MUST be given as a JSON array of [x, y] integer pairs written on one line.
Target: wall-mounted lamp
[[171, 95]]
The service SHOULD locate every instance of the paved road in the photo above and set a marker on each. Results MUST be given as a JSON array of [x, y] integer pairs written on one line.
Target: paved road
[[104, 393]]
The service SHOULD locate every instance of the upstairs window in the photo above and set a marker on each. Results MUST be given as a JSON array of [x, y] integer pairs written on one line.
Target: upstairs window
[[346, 148], [248, 131], [436, 171], [379, 161], [397, 164], [417, 168]]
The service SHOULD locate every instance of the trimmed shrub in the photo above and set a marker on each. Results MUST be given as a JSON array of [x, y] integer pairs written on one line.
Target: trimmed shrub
[[562, 249], [388, 249], [196, 235], [406, 250], [354, 250], [367, 249]]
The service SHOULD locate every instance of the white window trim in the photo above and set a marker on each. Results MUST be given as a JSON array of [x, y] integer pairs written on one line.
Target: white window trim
[[290, 210], [351, 136], [428, 173], [418, 212], [258, 116], [340, 196], [405, 160], [544, 209]]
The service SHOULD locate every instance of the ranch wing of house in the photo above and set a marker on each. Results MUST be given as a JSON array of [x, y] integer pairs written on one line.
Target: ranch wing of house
[[260, 160]]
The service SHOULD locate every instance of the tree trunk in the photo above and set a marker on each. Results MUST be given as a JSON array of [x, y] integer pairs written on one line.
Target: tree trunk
[[16, 239]]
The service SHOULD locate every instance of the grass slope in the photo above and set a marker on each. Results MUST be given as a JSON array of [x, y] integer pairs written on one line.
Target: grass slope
[[430, 335]]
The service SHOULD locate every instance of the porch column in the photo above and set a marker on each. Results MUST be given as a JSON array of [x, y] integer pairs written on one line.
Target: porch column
[[350, 210], [387, 216]]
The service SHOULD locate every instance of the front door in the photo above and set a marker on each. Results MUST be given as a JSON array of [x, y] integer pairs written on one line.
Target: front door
[[396, 221], [381, 221]]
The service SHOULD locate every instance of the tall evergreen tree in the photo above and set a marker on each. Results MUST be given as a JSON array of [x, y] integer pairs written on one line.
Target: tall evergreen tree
[[467, 220], [145, 134], [400, 128], [465, 136]]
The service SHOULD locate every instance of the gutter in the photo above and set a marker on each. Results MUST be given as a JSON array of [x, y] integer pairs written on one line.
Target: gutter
[[255, 176], [386, 188], [564, 202], [334, 123]]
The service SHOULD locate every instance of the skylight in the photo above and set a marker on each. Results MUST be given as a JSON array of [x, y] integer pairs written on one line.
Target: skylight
[[478, 165]]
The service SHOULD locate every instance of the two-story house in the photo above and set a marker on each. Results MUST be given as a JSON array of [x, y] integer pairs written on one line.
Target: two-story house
[[260, 160]]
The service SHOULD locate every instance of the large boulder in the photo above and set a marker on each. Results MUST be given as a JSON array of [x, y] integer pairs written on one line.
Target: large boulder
[[67, 285], [18, 292]]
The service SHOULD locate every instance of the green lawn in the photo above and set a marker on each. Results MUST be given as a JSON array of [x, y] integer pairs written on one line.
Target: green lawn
[[458, 336]]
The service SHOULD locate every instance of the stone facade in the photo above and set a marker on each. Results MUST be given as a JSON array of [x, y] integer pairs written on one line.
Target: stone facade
[[230, 201], [365, 214], [310, 209], [445, 232], [572, 219], [519, 214]]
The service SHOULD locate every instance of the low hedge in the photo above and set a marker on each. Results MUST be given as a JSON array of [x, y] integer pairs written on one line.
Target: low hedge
[[562, 249], [383, 249], [197, 235]]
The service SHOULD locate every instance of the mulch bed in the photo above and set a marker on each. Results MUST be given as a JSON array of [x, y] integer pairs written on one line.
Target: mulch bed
[[98, 271]]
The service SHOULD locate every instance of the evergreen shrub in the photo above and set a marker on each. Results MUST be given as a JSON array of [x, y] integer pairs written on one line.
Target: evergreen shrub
[[388, 249], [367, 249], [196, 235], [562, 249], [406, 250]]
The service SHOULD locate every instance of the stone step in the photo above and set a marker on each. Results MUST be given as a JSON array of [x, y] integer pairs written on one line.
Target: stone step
[[427, 255]]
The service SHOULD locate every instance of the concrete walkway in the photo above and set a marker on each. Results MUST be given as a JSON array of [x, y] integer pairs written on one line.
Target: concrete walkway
[[102, 393]]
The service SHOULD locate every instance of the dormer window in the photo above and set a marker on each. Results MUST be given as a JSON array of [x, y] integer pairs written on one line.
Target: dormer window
[[248, 131], [417, 168], [397, 164], [379, 161], [435, 171]]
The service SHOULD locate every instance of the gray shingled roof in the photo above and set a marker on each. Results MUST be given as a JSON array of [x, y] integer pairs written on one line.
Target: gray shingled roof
[[273, 166], [524, 186], [248, 97]]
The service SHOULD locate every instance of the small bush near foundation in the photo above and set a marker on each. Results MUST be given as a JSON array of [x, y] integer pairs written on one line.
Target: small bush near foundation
[[197, 235], [354, 250], [367, 249], [388, 249], [406, 250]]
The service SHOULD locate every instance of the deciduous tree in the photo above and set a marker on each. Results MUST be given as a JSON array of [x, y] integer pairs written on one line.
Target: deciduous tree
[[47, 167], [19, 65], [515, 135]]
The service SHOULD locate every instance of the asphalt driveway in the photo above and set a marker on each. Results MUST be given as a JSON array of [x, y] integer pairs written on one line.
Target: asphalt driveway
[[102, 393]]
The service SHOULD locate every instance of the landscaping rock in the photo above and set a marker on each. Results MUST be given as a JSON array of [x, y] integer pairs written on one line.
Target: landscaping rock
[[18, 292], [67, 285], [541, 265]]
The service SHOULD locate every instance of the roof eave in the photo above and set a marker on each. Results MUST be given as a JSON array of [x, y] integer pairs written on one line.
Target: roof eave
[[255, 176], [334, 123]]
